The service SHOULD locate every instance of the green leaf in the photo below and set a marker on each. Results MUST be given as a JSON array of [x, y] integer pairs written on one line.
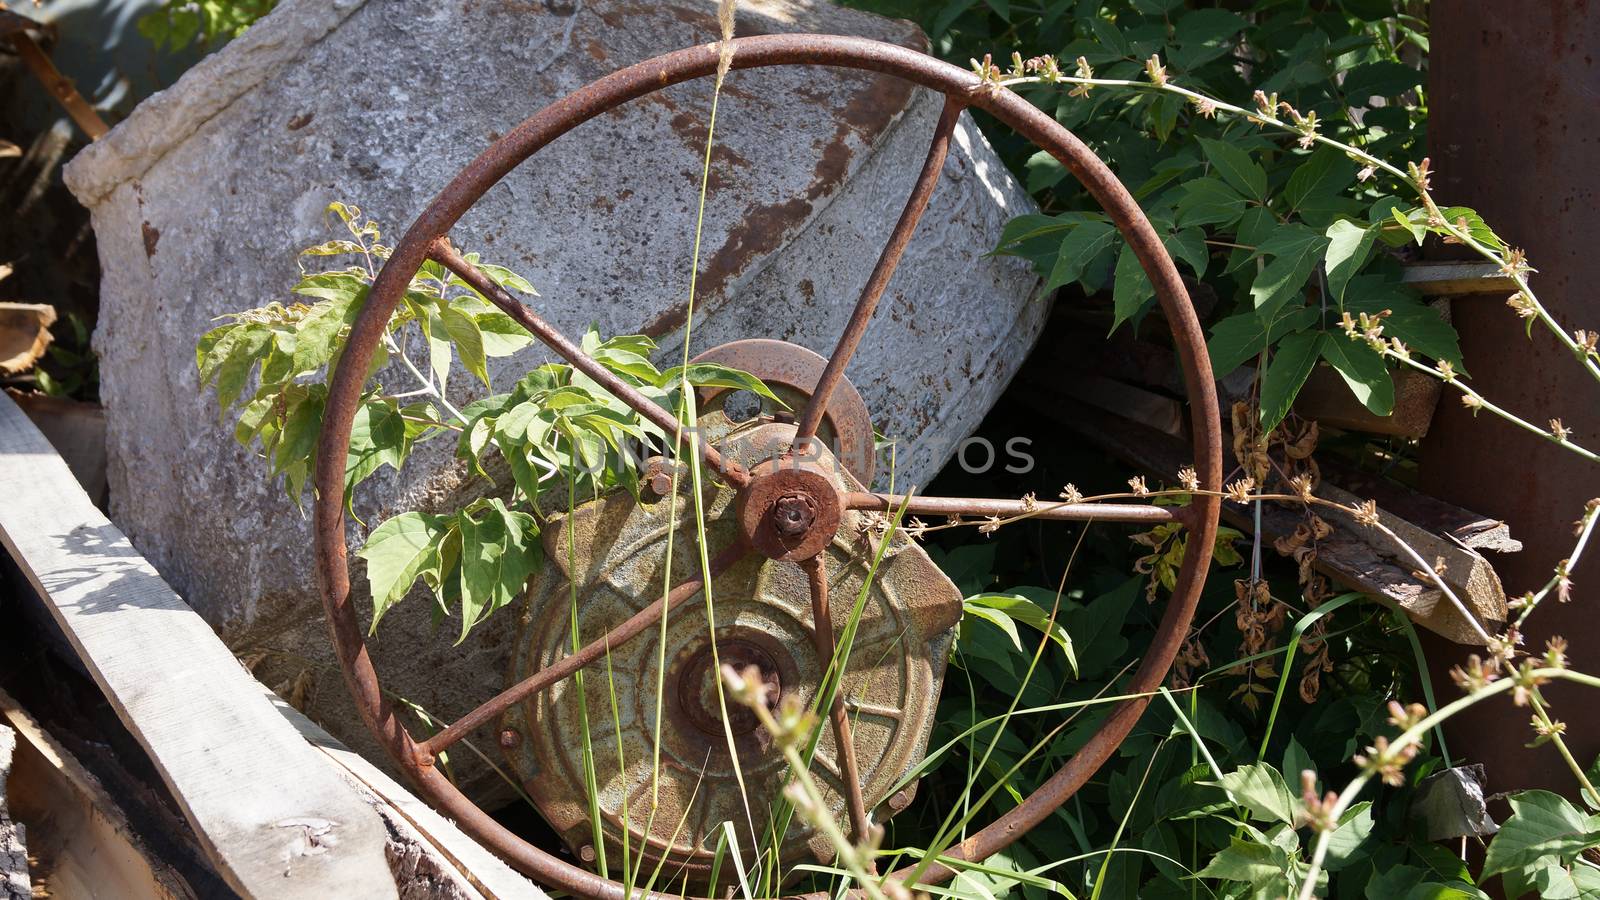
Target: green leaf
[[1542, 825], [502, 336], [507, 279], [1209, 201], [317, 333], [1080, 247], [1249, 862], [1202, 35], [377, 438], [1131, 289], [468, 338], [1363, 370], [1412, 222], [1025, 228], [1096, 627], [1189, 245], [397, 552], [1021, 609], [1475, 226], [242, 348], [1242, 173], [997, 619], [1043, 172], [1325, 173], [1345, 844], [301, 429], [1297, 250], [1261, 790], [1109, 36], [1296, 759], [714, 375], [1242, 336], [440, 350], [1418, 325], [498, 553], [1384, 78], [1286, 372], [340, 287], [206, 355], [1348, 246]]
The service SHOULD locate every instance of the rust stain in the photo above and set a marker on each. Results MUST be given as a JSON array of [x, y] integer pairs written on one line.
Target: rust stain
[[301, 121], [762, 231], [152, 236], [872, 105]]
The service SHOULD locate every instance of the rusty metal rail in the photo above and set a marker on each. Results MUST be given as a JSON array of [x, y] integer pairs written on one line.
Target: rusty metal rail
[[794, 516]]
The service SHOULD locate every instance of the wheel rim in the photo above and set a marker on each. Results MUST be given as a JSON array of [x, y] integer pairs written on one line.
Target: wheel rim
[[426, 239]]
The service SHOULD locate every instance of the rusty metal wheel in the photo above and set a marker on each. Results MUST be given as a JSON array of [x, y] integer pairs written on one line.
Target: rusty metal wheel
[[780, 515]]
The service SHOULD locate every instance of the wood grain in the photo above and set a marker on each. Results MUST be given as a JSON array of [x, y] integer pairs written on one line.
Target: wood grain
[[276, 820]]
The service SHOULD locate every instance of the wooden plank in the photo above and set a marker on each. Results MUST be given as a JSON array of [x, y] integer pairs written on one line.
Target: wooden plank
[[1453, 279], [274, 818], [484, 871], [24, 335], [78, 833]]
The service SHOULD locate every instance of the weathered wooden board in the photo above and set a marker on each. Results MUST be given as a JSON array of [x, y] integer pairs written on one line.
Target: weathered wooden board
[[275, 819], [1454, 279], [484, 871], [75, 830]]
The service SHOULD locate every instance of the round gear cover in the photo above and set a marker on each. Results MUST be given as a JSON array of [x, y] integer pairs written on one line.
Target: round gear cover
[[671, 798]]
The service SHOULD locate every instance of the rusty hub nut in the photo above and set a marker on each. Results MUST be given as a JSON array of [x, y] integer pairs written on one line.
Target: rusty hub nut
[[510, 738], [790, 510], [793, 514], [657, 480]]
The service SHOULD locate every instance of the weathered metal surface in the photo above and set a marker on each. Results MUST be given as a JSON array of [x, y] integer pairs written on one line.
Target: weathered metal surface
[[614, 549], [20, 30], [600, 97], [792, 372], [1522, 152]]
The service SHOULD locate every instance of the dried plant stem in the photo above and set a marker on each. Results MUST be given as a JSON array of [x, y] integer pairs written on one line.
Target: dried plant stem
[[1541, 714], [1477, 401], [1586, 526]]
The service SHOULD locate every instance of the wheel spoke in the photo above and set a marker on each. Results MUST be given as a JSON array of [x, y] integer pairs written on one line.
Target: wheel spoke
[[551, 674], [888, 260], [822, 636], [444, 254], [985, 506]]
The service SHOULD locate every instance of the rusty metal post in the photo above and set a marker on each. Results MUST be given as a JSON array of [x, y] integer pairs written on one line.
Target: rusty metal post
[[1512, 103]]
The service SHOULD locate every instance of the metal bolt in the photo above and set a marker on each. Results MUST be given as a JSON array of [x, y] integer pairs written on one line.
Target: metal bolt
[[586, 853], [793, 514], [657, 481], [510, 739], [900, 800]]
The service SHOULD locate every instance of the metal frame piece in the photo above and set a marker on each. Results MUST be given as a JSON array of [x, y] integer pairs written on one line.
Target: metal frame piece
[[780, 517]]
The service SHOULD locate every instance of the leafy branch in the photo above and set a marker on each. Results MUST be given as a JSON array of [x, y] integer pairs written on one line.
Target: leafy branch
[[555, 426]]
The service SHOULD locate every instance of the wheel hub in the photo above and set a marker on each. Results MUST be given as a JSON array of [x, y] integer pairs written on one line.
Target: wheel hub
[[790, 510], [700, 701]]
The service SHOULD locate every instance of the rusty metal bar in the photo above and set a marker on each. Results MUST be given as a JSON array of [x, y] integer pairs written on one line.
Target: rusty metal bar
[[1052, 512], [590, 652], [816, 570], [58, 85], [445, 255], [888, 261]]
